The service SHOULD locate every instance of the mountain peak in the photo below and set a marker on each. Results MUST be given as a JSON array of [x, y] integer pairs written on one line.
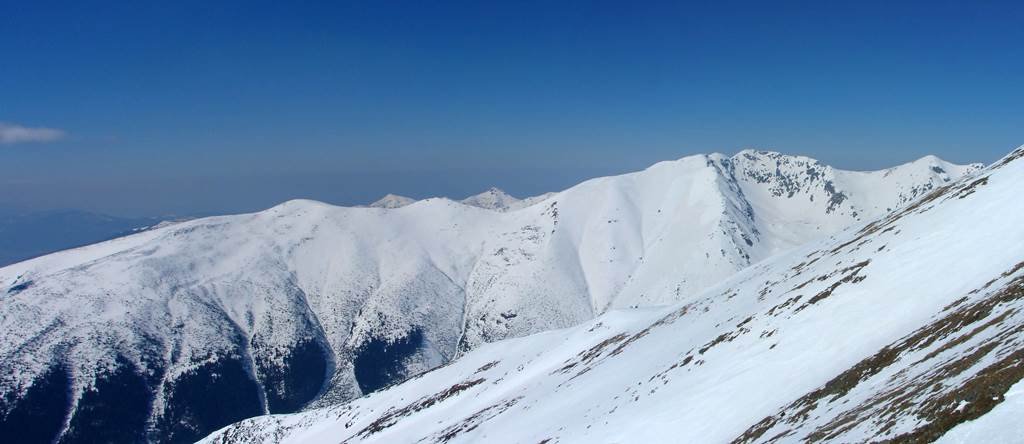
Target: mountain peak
[[492, 199], [392, 201], [938, 164]]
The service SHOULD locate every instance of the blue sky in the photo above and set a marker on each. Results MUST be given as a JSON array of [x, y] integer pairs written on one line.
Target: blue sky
[[183, 107]]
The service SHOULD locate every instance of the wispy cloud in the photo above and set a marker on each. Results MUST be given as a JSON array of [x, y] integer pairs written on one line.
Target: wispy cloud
[[12, 133]]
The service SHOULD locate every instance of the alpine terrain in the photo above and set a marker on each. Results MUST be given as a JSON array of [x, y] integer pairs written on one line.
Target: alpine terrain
[[906, 328], [901, 325]]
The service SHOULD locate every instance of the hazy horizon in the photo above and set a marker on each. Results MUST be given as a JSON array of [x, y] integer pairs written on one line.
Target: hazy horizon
[[205, 196], [192, 107]]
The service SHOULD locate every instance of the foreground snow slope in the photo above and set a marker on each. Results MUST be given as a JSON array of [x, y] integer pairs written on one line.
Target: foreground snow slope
[[190, 327], [900, 329]]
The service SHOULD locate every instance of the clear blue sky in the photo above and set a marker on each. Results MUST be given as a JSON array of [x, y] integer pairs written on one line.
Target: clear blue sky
[[180, 107]]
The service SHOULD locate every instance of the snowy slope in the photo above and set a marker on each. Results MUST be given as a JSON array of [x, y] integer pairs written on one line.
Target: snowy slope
[[217, 319], [903, 328]]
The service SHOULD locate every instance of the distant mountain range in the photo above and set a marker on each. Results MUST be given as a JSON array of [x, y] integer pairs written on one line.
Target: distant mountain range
[[492, 199], [28, 234], [173, 332]]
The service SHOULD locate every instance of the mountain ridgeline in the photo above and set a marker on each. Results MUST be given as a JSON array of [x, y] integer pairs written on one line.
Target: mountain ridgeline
[[906, 329], [171, 333]]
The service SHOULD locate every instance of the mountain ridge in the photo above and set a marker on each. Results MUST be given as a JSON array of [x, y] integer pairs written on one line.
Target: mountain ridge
[[360, 298], [497, 199], [872, 334]]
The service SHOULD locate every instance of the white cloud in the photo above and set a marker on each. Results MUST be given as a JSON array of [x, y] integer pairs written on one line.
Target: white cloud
[[11, 133]]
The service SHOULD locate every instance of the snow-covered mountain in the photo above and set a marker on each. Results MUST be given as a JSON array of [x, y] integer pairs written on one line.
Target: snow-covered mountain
[[498, 200], [909, 328], [176, 331], [392, 201], [492, 199]]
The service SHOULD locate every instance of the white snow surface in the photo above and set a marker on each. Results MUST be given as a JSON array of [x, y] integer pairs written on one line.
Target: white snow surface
[[464, 276], [884, 330]]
